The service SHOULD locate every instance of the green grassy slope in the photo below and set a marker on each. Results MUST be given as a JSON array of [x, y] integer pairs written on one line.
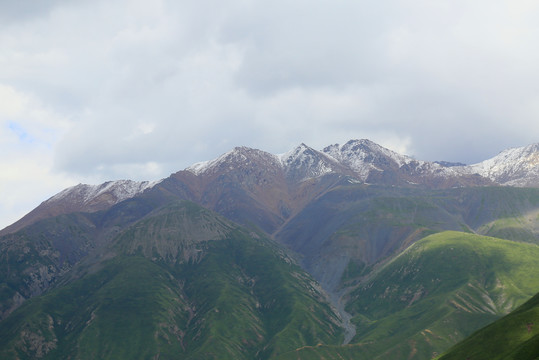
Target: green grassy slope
[[513, 337], [440, 290], [245, 297], [225, 294]]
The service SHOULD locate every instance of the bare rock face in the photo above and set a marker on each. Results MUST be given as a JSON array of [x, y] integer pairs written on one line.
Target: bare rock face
[[11, 305], [37, 344]]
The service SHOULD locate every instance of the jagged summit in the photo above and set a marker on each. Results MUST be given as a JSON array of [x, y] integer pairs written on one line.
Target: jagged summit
[[304, 162], [363, 156], [363, 149], [370, 162], [356, 158], [237, 157]]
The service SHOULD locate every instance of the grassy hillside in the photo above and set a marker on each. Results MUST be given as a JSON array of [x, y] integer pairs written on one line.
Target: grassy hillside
[[238, 297], [439, 291], [513, 337]]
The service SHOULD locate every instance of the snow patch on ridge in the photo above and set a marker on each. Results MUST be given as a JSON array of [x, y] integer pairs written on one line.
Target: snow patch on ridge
[[303, 162], [119, 190], [363, 156], [203, 166], [360, 158], [239, 157]]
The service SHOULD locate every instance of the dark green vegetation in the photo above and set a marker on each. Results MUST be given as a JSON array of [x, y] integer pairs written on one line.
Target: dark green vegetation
[[513, 337], [217, 292], [36, 257]]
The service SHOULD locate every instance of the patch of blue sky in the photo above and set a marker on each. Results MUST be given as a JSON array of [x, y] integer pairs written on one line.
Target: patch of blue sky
[[22, 134]]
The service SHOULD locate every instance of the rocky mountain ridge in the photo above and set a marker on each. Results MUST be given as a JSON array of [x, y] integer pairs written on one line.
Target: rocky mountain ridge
[[369, 162], [362, 159], [284, 176], [82, 198]]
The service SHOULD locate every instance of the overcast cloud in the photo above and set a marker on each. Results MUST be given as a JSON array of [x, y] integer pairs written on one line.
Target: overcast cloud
[[100, 90]]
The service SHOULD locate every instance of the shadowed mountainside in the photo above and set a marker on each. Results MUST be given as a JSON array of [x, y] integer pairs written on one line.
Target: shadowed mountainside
[[178, 280]]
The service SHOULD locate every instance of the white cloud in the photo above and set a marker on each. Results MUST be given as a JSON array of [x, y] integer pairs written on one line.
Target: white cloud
[[25, 182], [28, 132], [97, 90]]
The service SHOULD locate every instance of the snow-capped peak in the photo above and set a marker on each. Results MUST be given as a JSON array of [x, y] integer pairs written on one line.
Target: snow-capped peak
[[364, 150], [114, 191], [515, 166], [239, 157], [304, 162], [297, 152], [364, 159], [363, 155]]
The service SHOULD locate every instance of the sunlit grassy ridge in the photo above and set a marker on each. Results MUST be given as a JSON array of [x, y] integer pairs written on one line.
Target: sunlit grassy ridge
[[440, 289]]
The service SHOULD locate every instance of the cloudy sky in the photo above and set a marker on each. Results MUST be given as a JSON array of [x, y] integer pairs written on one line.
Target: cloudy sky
[[112, 89]]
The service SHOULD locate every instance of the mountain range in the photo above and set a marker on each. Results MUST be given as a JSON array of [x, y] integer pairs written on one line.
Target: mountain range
[[282, 177], [303, 252]]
